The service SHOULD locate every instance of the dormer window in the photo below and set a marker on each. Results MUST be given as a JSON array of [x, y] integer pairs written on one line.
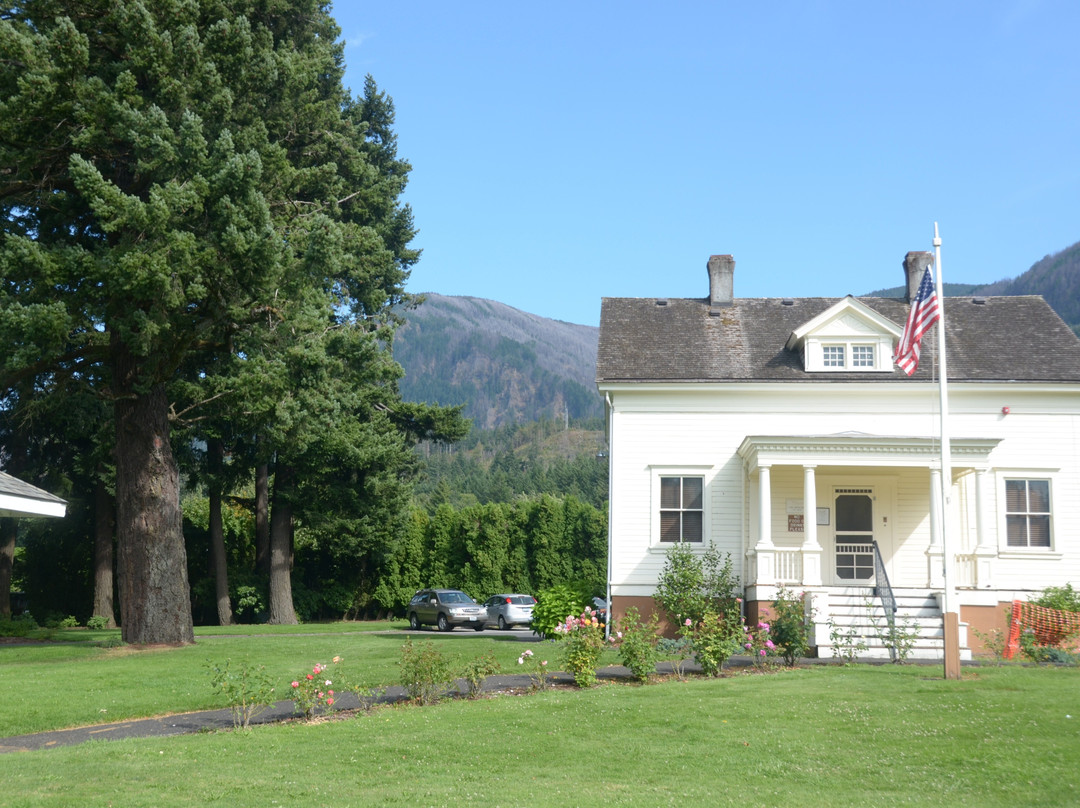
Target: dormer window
[[846, 355], [847, 337]]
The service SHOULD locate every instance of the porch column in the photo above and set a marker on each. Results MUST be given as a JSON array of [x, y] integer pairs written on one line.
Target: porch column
[[764, 549], [811, 548], [935, 556], [986, 547]]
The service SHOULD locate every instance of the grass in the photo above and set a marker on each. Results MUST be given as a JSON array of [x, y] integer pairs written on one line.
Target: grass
[[45, 687], [824, 736], [821, 735]]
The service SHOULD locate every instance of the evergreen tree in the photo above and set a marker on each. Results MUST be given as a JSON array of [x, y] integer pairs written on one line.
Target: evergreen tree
[[187, 184]]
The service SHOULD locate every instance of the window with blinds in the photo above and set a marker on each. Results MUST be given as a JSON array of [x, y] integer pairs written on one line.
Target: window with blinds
[[1027, 513], [682, 509]]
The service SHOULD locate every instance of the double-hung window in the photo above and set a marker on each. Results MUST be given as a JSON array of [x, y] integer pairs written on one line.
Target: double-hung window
[[682, 509], [1027, 513]]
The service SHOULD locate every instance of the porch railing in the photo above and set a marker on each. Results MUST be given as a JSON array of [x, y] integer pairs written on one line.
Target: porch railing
[[788, 566], [967, 576], [883, 590]]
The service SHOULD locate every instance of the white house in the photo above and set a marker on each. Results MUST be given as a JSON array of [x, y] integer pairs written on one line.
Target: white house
[[781, 432]]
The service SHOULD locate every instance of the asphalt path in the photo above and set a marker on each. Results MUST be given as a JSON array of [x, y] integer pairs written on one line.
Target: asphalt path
[[214, 720]]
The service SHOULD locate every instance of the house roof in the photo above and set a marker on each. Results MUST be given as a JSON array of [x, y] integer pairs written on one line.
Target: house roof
[[22, 499], [684, 340]]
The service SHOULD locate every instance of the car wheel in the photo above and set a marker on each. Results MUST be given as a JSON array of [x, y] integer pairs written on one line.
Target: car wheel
[[478, 627], [444, 624], [502, 623], [414, 622]]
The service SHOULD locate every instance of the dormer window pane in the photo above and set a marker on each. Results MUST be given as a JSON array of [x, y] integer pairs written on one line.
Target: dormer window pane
[[833, 356], [862, 356]]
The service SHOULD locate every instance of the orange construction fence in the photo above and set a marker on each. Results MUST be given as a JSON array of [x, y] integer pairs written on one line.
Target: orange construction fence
[[1050, 626]]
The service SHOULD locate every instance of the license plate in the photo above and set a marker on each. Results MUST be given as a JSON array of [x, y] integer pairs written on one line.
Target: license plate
[[473, 619]]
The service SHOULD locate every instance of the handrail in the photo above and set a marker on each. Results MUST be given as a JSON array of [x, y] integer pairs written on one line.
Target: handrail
[[883, 590]]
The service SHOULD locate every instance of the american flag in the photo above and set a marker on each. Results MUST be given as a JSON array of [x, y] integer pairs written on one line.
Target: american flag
[[924, 313]]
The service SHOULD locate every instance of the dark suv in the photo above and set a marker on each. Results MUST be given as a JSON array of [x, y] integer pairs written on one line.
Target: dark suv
[[445, 608]]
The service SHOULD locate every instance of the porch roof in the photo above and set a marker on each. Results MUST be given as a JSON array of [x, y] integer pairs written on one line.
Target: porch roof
[[22, 499], [861, 449]]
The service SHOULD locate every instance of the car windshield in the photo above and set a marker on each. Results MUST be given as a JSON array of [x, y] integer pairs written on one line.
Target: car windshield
[[455, 597], [522, 600]]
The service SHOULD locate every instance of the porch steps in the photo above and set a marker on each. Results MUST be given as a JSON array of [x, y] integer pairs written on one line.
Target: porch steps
[[854, 612]]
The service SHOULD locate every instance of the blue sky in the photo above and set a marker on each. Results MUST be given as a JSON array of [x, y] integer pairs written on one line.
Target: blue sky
[[564, 152]]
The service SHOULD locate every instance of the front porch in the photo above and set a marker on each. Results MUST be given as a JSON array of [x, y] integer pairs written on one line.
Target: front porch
[[853, 520]]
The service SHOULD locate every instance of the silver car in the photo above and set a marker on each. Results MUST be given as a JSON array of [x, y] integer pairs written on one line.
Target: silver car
[[507, 611], [445, 608]]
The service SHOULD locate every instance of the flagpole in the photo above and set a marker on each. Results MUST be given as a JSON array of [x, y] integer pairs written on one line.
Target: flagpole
[[950, 619]]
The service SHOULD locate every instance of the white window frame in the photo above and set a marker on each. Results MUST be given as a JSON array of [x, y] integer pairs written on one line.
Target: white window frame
[[1004, 548], [704, 473], [831, 353], [817, 348]]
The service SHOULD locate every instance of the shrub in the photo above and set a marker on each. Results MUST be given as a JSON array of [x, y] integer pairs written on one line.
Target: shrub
[[247, 691], [555, 604], [20, 626], [995, 641], [98, 622], [716, 637], [535, 668], [477, 670], [1063, 598], [680, 589], [583, 642], [676, 651], [425, 672], [313, 690], [691, 584], [71, 621], [789, 630], [637, 644], [847, 643]]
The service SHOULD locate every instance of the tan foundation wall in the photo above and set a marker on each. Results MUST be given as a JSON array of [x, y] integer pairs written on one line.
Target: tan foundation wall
[[984, 620]]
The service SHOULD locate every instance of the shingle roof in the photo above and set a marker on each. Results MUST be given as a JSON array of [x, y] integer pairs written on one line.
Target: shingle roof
[[14, 487], [989, 339]]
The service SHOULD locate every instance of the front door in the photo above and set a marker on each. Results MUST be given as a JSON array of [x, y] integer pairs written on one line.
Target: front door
[[854, 557]]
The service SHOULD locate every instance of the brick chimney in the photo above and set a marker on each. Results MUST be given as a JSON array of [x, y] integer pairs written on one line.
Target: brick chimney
[[915, 264], [721, 280]]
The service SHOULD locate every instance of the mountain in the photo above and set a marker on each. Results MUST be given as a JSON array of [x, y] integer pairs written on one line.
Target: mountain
[[505, 365], [1056, 277]]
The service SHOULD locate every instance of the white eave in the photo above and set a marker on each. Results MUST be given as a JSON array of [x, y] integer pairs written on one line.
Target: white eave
[[22, 499], [860, 449]]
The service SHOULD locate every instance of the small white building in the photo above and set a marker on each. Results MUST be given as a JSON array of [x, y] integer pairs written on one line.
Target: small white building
[[22, 499], [780, 431]]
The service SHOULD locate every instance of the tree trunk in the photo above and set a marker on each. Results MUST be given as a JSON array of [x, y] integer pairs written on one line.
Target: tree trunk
[[218, 563], [155, 601], [103, 554], [281, 527], [262, 519], [8, 531]]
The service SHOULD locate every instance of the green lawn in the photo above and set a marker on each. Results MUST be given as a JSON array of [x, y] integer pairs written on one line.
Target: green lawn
[[818, 736], [44, 687]]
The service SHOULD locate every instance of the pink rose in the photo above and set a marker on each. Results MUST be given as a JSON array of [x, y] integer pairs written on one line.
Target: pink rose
[[296, 684], [687, 623]]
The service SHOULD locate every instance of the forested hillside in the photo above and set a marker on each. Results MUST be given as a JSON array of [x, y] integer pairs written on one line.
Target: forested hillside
[[504, 365], [1056, 277]]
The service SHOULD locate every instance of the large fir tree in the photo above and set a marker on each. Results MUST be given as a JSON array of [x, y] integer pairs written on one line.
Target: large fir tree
[[186, 184]]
